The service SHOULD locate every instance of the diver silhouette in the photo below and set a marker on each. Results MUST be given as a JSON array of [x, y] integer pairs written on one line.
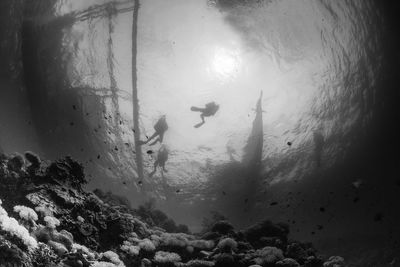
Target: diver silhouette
[[209, 110], [162, 157], [160, 128]]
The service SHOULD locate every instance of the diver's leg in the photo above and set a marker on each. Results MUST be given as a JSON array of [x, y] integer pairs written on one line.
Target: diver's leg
[[155, 141], [162, 165], [149, 139], [201, 123], [197, 109], [155, 169]]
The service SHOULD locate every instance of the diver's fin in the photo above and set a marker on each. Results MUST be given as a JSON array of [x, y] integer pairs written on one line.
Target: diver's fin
[[141, 142], [198, 125], [195, 109]]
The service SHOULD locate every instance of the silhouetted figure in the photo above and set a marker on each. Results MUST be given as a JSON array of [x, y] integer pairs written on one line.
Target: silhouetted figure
[[319, 142], [160, 128], [162, 158], [210, 110]]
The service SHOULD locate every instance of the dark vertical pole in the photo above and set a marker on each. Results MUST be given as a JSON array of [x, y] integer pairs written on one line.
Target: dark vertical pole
[[135, 100]]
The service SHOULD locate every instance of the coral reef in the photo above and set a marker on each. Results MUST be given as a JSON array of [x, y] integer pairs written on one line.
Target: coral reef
[[52, 221]]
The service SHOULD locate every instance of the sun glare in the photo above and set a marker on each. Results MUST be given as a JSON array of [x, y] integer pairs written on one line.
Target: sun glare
[[225, 62]]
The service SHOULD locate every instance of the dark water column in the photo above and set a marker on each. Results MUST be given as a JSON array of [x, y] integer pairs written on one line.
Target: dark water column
[[135, 100], [16, 129]]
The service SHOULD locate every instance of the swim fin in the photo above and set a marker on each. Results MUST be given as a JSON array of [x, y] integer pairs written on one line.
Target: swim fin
[[195, 109]]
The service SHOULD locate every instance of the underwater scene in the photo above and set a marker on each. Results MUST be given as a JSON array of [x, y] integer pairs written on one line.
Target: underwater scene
[[199, 133]]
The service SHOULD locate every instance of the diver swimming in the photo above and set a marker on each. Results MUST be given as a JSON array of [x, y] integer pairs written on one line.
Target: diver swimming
[[209, 110], [162, 157], [160, 128]]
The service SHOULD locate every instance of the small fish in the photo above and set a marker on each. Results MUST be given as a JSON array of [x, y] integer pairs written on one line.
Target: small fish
[[127, 144], [116, 148], [74, 107], [178, 191], [289, 143], [273, 203], [124, 183], [71, 123], [322, 209], [140, 183], [149, 152], [98, 156]]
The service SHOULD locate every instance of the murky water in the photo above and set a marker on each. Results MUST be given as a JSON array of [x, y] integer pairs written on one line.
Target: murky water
[[283, 154]]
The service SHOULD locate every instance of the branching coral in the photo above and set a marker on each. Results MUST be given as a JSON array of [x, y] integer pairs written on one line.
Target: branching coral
[[11, 226], [166, 257], [268, 255], [147, 245], [130, 249], [199, 263], [51, 222], [202, 244], [334, 261], [104, 264], [227, 245], [112, 257], [77, 248], [43, 211], [174, 239], [26, 213]]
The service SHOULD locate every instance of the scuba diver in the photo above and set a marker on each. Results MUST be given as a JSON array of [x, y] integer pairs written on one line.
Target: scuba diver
[[162, 157], [209, 110], [160, 128]]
